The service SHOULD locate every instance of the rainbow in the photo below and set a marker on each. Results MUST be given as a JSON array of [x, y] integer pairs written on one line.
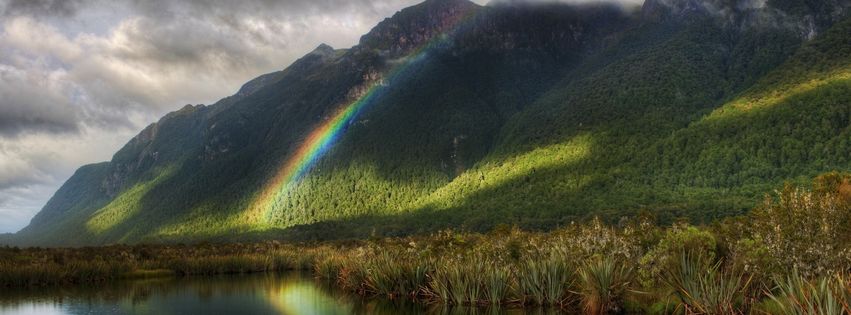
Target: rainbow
[[325, 135]]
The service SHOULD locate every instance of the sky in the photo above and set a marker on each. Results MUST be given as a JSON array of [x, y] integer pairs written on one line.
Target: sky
[[79, 78]]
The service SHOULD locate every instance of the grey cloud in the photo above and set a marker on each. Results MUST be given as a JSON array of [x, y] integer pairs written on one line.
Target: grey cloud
[[17, 179], [31, 102], [21, 166], [626, 4], [16, 206], [63, 8], [266, 8], [23, 183], [158, 56], [10, 218]]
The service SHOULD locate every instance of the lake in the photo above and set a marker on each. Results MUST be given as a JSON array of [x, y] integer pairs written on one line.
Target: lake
[[290, 293]]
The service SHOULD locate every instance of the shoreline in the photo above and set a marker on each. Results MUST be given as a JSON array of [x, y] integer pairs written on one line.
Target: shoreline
[[791, 252]]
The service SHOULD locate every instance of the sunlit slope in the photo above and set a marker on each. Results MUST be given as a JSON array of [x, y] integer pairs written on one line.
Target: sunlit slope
[[430, 124], [68, 210], [794, 122], [622, 138], [682, 135]]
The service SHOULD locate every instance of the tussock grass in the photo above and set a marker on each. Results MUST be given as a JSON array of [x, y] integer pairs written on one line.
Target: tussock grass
[[545, 281], [794, 295], [603, 285], [704, 288], [394, 276]]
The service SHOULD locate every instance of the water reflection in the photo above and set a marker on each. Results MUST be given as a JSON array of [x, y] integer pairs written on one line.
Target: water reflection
[[293, 294]]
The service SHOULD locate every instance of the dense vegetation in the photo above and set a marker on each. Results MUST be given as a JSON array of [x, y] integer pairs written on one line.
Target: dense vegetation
[[790, 255], [536, 116]]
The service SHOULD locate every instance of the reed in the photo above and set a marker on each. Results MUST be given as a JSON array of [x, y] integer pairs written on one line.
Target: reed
[[462, 281], [50, 273], [353, 275], [51, 267], [545, 281], [394, 276], [794, 294], [704, 288], [845, 281], [497, 277], [603, 285], [328, 267], [235, 264]]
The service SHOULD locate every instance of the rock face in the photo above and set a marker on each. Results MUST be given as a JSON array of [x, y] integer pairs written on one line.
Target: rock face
[[806, 17], [655, 9], [414, 26], [512, 114]]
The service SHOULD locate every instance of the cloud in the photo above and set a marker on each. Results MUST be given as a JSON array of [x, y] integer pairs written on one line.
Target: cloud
[[39, 8], [156, 55], [625, 3], [33, 100]]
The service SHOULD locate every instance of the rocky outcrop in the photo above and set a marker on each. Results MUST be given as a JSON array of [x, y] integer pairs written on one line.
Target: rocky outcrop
[[807, 18], [414, 26]]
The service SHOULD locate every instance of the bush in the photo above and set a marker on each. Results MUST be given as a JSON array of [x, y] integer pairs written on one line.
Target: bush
[[807, 230], [667, 254]]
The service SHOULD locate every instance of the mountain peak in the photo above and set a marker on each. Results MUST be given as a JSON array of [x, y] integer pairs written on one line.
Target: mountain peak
[[656, 9], [415, 25], [449, 3], [323, 50]]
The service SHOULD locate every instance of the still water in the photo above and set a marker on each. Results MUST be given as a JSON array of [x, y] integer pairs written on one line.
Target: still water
[[293, 293]]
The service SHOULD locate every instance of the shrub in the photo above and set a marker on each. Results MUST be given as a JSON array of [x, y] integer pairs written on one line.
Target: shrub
[[806, 230], [666, 255]]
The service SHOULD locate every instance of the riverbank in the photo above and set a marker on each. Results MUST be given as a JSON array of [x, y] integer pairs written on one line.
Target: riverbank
[[27, 267], [791, 255]]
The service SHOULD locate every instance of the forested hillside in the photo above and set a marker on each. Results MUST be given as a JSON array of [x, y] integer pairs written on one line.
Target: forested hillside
[[451, 114]]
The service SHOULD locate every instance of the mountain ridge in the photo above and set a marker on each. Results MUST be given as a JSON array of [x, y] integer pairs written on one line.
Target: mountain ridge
[[500, 126]]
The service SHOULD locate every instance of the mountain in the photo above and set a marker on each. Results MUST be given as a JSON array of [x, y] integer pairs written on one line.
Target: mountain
[[450, 114]]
